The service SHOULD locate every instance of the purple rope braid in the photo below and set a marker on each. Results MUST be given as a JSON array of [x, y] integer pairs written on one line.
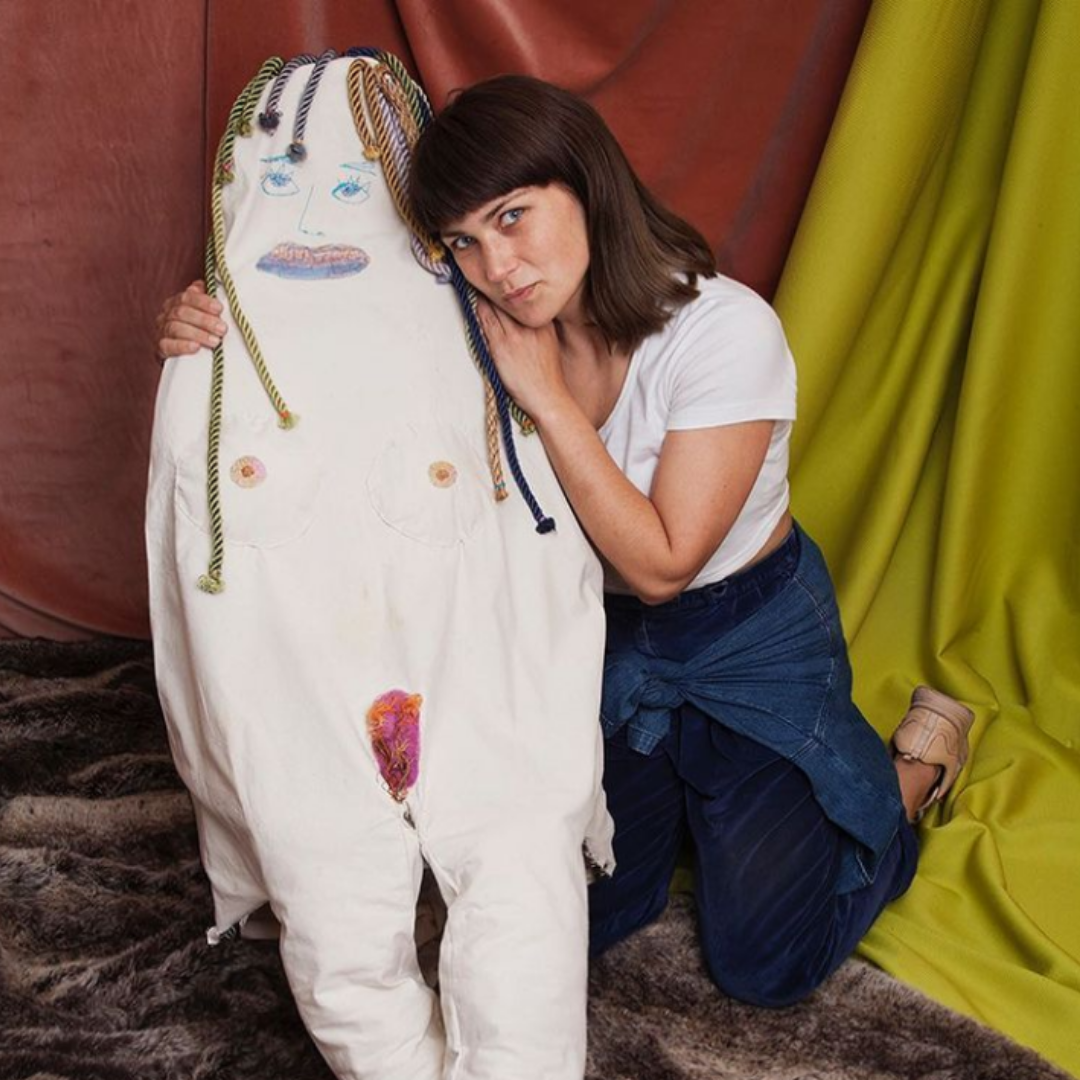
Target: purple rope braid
[[297, 151], [271, 116]]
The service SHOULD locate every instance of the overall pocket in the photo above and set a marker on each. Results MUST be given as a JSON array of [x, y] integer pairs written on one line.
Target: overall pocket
[[431, 484], [270, 481]]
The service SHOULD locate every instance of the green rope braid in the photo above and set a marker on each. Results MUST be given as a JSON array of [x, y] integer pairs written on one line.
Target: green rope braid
[[211, 581], [216, 272], [286, 419], [418, 100], [240, 114]]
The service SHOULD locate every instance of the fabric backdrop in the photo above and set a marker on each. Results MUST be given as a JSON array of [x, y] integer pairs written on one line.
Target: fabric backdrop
[[931, 299], [929, 296], [108, 108]]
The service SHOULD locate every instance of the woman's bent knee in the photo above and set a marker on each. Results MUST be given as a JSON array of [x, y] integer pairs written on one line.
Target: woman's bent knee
[[772, 974], [770, 987]]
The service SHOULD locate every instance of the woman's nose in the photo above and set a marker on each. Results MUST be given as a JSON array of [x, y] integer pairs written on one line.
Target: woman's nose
[[499, 260]]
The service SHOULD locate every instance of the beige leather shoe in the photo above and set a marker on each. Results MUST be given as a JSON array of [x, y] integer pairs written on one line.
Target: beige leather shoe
[[935, 730]]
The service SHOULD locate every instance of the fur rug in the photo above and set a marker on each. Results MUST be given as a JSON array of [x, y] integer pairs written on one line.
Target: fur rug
[[105, 973]]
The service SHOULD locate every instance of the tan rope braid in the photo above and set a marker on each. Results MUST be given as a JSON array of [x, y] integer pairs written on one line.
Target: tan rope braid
[[393, 167], [365, 87], [419, 108], [491, 431], [418, 102], [239, 118], [363, 129], [363, 93], [392, 89]]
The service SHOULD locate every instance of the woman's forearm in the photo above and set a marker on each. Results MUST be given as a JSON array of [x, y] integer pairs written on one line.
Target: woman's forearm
[[622, 523]]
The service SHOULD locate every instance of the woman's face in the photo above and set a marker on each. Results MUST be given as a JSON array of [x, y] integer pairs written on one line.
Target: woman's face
[[527, 252]]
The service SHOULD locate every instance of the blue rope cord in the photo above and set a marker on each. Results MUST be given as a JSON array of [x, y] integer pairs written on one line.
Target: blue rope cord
[[467, 301]]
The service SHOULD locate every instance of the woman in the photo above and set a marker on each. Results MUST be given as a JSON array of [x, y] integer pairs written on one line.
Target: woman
[[664, 395]]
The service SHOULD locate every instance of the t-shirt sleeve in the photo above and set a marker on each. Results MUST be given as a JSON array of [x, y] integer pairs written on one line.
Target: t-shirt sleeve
[[731, 363]]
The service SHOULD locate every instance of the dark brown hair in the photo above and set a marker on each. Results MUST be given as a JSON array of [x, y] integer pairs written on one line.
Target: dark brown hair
[[515, 131]]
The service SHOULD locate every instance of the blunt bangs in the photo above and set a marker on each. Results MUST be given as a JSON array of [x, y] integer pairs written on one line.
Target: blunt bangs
[[493, 138]]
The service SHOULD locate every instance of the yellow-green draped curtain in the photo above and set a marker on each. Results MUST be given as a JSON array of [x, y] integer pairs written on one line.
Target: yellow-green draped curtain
[[932, 299]]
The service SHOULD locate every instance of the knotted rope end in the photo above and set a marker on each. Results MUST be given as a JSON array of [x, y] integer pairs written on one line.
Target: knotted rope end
[[211, 582], [546, 525]]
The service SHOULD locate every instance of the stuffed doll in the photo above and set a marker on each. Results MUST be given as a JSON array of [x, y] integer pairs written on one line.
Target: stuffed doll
[[369, 662]]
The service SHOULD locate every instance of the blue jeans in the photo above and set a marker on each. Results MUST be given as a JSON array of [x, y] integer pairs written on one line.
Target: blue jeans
[[777, 913]]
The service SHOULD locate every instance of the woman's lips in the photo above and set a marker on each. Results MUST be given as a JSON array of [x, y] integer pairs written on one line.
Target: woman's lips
[[519, 294]]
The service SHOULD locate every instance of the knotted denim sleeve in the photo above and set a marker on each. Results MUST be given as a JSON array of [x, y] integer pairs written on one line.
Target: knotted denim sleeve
[[782, 678]]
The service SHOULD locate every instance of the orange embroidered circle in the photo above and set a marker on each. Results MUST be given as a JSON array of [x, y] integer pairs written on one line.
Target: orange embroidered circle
[[247, 472], [442, 474]]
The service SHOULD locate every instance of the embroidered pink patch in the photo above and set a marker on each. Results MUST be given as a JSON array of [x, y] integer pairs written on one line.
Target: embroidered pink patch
[[247, 471], [442, 474], [394, 726]]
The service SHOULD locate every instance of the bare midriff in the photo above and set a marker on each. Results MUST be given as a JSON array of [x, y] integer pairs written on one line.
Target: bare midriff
[[776, 538]]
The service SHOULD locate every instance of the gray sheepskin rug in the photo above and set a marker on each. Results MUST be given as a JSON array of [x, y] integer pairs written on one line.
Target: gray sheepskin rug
[[105, 973]]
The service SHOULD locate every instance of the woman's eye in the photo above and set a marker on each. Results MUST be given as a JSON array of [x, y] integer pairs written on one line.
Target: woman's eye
[[510, 216], [460, 243]]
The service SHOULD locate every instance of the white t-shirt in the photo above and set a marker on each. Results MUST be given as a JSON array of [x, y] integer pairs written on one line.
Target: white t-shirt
[[721, 359]]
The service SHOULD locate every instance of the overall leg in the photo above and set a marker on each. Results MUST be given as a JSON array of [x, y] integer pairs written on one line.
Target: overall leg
[[645, 799], [513, 964], [773, 924], [348, 949]]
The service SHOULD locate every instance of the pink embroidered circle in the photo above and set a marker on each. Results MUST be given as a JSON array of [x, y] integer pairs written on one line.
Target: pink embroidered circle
[[442, 474], [247, 471]]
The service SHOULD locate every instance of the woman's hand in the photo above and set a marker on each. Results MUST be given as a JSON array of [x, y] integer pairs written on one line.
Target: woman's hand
[[188, 322], [528, 360]]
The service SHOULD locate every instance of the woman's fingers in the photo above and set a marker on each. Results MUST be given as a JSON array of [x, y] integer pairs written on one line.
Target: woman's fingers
[[188, 322], [489, 316]]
